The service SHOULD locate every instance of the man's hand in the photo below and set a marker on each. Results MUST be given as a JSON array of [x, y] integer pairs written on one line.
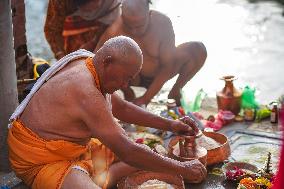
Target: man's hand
[[141, 101], [194, 171], [184, 126]]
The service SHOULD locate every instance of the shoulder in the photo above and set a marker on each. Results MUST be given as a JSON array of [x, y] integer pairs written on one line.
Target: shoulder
[[84, 85], [160, 19], [77, 82], [162, 25], [116, 27], [88, 101]]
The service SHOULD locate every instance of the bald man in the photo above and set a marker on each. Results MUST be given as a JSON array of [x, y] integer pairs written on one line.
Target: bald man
[[51, 131], [154, 33]]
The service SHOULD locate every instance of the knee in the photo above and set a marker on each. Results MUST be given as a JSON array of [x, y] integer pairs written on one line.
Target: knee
[[202, 51], [193, 52]]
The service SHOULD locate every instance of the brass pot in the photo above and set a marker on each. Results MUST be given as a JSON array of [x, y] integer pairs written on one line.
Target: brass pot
[[229, 98], [201, 153]]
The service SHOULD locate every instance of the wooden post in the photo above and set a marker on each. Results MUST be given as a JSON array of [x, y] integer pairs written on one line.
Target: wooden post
[[23, 59], [8, 79]]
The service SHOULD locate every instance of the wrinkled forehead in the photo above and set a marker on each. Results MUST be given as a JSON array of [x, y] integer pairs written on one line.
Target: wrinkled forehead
[[133, 63], [128, 71], [133, 60]]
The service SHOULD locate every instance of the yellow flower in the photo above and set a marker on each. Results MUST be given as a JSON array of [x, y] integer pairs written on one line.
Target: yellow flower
[[263, 181]]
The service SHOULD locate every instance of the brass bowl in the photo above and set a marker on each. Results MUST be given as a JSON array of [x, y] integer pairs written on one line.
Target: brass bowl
[[172, 153], [220, 153], [134, 180]]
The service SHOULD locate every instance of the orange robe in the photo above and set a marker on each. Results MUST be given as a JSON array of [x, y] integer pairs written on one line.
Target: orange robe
[[67, 33], [43, 164]]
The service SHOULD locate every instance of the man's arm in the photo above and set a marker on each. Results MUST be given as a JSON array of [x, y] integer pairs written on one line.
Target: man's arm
[[130, 113], [92, 44], [98, 118], [53, 27], [166, 60], [109, 33]]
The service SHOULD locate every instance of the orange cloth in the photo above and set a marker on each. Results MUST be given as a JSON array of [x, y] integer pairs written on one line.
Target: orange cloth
[[43, 164], [90, 65]]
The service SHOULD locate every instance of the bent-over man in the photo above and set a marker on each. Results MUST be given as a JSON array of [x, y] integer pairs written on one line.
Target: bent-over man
[[70, 111], [153, 31]]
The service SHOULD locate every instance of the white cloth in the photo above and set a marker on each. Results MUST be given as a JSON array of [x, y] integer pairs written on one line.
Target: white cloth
[[81, 53], [77, 167]]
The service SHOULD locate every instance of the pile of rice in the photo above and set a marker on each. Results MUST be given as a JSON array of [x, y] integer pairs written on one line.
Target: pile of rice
[[155, 184], [207, 142]]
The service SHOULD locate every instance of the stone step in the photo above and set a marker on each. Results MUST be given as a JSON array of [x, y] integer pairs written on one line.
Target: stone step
[[11, 181]]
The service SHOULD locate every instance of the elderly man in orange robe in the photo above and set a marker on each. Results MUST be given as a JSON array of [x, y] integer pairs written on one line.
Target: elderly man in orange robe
[[71, 111]]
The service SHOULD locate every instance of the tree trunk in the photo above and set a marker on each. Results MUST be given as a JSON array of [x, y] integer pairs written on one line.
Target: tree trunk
[[8, 79]]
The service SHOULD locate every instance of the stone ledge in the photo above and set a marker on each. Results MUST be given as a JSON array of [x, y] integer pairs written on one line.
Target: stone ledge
[[11, 181]]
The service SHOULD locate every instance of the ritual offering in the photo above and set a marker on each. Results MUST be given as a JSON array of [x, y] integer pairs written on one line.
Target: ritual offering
[[274, 114], [217, 146], [156, 184], [239, 118], [171, 104], [183, 149], [160, 150], [235, 171], [207, 142], [229, 98], [223, 118], [249, 114], [262, 114], [259, 183], [209, 147], [148, 139], [248, 176], [151, 180]]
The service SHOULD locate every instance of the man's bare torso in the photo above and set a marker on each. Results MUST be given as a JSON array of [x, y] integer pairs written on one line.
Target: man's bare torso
[[52, 111], [149, 43]]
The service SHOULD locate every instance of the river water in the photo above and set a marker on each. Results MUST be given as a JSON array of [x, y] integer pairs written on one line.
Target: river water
[[242, 39]]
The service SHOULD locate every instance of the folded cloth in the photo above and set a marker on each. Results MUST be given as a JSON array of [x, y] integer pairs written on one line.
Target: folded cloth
[[43, 164]]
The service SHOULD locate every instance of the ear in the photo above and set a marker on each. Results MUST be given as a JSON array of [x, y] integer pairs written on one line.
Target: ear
[[107, 60]]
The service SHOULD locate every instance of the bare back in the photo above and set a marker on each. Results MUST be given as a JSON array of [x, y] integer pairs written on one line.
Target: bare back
[[158, 34], [52, 114]]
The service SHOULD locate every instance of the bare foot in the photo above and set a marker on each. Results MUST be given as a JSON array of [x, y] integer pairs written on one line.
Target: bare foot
[[129, 94]]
